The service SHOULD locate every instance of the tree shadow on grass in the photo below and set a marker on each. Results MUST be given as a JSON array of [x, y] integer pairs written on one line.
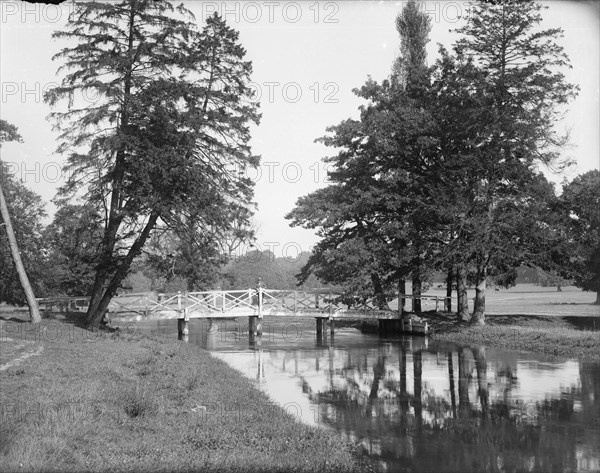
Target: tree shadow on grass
[[573, 303], [442, 321], [583, 322], [78, 319], [14, 319], [75, 319], [520, 319]]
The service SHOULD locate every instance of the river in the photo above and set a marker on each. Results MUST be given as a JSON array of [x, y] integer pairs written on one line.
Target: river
[[410, 404]]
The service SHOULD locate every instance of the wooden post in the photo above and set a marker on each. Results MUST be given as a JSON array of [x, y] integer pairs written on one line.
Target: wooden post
[[253, 326], [182, 330], [295, 301], [331, 326], [211, 334], [317, 300], [259, 289], [406, 324], [319, 327], [34, 310]]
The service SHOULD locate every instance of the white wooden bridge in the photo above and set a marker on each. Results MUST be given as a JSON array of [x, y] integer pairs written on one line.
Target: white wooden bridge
[[323, 305]]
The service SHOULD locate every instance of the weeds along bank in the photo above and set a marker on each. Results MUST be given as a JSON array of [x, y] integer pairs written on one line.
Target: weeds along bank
[[99, 401]]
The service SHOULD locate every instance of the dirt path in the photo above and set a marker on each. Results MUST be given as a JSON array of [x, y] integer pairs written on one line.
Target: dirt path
[[13, 352]]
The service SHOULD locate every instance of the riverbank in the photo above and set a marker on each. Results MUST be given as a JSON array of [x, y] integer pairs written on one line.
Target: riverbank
[[117, 400], [550, 335]]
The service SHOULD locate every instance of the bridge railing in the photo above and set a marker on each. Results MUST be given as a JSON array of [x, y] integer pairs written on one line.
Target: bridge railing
[[259, 301], [221, 301], [295, 302]]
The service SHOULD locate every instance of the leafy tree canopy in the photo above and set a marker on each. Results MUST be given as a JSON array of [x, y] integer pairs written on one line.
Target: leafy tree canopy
[[170, 121], [581, 198]]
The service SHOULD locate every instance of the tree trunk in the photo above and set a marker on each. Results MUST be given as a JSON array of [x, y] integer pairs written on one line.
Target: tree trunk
[[102, 299], [97, 293], [461, 293], [482, 384], [401, 296], [452, 389], [403, 387], [378, 373], [479, 306], [416, 292], [463, 384], [380, 299], [34, 310], [95, 312], [448, 300], [418, 388]]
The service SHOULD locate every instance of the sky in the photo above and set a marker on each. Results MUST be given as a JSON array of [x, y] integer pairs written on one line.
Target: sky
[[307, 58]]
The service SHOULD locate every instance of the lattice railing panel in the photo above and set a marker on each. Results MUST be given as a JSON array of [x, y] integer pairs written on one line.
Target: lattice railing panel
[[232, 303]]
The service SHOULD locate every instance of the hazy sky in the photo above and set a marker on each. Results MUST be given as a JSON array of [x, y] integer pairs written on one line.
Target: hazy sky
[[307, 57]]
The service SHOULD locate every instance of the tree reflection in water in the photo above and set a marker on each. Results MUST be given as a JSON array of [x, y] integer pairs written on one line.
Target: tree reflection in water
[[417, 407], [410, 422]]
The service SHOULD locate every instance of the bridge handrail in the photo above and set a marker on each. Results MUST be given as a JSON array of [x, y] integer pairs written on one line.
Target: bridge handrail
[[223, 301]]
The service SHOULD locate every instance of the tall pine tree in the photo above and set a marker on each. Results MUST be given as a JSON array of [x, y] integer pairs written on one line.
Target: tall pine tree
[[168, 124], [516, 90]]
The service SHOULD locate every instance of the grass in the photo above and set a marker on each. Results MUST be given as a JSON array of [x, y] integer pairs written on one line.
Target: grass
[[114, 401], [528, 318], [541, 334]]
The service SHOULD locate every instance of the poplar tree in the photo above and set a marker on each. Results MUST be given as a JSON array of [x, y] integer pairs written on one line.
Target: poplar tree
[[370, 219], [166, 134]]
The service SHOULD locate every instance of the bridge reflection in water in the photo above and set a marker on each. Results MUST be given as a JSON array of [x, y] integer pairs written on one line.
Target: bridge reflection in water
[[413, 405]]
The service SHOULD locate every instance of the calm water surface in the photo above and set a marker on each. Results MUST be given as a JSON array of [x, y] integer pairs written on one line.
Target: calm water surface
[[413, 405]]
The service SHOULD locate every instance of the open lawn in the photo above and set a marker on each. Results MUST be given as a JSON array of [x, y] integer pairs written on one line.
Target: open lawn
[[527, 299]]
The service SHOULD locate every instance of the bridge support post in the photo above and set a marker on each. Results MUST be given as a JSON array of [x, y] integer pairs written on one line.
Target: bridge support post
[[389, 325], [331, 325], [254, 326], [183, 330], [406, 324], [319, 327]]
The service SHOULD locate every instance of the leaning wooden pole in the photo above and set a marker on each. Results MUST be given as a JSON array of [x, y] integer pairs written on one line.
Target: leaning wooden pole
[[34, 310]]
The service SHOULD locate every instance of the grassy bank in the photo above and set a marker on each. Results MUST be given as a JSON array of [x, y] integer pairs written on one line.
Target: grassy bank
[[119, 401], [548, 335]]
